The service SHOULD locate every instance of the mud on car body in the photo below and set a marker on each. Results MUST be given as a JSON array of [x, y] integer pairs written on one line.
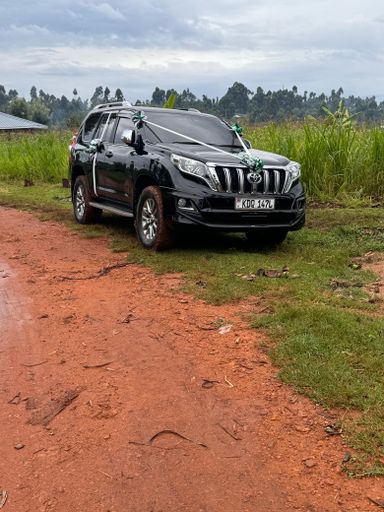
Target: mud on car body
[[165, 179]]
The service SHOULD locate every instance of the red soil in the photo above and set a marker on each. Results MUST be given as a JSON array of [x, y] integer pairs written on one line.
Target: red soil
[[244, 442]]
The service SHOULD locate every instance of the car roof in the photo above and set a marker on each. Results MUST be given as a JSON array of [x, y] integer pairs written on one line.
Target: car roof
[[123, 107]]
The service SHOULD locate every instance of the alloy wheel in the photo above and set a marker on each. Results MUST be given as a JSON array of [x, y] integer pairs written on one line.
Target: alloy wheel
[[149, 219], [80, 202]]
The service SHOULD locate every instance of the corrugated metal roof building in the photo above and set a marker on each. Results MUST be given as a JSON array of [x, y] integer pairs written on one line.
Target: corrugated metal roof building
[[12, 123]]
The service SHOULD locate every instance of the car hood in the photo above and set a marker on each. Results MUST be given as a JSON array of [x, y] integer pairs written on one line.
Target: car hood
[[208, 155]]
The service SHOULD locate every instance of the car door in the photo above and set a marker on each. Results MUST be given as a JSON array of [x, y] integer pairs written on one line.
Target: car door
[[103, 135], [84, 156], [114, 164]]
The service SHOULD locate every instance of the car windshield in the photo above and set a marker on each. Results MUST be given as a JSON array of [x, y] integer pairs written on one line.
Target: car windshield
[[208, 129]]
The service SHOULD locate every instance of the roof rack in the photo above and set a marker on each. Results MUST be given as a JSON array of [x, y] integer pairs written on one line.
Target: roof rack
[[127, 104], [188, 109], [113, 104]]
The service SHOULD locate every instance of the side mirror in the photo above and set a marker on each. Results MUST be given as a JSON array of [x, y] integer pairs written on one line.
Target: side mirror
[[95, 145], [247, 143], [128, 137]]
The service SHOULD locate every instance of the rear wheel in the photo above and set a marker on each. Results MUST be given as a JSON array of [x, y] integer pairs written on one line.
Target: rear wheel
[[267, 238], [153, 230], [84, 213]]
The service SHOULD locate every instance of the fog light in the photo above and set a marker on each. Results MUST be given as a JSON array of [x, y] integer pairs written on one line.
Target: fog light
[[185, 204], [182, 203]]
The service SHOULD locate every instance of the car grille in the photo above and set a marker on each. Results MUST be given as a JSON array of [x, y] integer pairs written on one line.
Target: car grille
[[234, 180]]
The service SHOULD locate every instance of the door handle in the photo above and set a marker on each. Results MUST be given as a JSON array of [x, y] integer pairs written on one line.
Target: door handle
[[109, 154]]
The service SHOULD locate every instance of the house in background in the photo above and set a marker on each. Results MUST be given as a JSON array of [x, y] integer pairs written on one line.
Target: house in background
[[15, 124]]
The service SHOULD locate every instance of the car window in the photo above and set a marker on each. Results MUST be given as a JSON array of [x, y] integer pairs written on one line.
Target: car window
[[109, 130], [100, 128], [89, 128], [105, 128], [124, 123]]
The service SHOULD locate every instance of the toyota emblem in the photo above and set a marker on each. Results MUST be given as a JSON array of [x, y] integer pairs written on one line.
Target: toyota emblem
[[254, 178]]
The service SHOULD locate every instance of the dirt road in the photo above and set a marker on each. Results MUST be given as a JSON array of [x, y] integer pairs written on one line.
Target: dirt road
[[119, 393]]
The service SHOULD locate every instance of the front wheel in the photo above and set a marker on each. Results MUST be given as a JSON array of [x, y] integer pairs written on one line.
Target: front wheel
[[153, 230], [83, 211], [267, 238]]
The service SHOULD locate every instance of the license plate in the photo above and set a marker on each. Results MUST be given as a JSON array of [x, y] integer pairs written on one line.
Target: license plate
[[249, 203]]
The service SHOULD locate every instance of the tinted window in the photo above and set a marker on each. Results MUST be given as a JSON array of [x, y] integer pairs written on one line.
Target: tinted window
[[210, 130], [104, 132], [89, 127], [124, 123], [109, 129], [100, 128]]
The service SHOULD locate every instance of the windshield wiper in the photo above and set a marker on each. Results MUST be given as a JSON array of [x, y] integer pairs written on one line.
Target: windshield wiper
[[225, 145], [180, 142], [209, 143]]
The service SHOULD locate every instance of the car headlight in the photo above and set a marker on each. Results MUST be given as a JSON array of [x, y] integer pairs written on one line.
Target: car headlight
[[295, 169], [194, 168]]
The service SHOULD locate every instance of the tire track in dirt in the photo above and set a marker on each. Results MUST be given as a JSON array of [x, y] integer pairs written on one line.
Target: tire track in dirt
[[146, 359]]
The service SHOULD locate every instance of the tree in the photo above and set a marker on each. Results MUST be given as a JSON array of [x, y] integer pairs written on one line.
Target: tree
[[73, 121], [42, 94], [207, 103], [158, 97], [38, 112], [3, 97], [64, 102], [119, 96], [186, 99], [12, 93], [169, 93], [257, 106], [97, 96], [19, 107], [235, 100], [279, 105]]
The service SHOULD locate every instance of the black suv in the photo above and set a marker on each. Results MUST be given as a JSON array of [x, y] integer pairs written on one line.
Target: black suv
[[180, 168]]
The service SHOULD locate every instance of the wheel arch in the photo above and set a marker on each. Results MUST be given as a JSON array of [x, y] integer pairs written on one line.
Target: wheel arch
[[141, 183], [77, 170]]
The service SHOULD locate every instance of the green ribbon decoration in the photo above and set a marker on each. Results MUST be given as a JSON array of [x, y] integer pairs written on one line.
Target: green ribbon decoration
[[93, 145], [138, 118], [253, 163], [237, 128]]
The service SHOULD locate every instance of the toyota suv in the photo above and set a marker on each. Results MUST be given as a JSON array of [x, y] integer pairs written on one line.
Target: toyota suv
[[172, 168]]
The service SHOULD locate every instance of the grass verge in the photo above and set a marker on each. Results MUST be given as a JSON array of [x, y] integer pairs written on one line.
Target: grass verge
[[326, 328], [39, 156], [343, 163]]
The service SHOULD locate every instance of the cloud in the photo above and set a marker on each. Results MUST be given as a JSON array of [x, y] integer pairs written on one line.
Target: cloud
[[109, 11], [205, 46]]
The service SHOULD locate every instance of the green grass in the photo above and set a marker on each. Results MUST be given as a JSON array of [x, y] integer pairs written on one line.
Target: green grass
[[336, 357], [342, 164], [338, 163], [41, 157], [326, 333]]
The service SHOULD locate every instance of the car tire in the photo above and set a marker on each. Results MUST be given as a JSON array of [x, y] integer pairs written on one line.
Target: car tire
[[267, 238], [84, 213], [154, 230]]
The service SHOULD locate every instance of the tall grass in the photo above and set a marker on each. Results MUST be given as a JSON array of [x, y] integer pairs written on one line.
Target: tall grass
[[41, 157], [339, 161]]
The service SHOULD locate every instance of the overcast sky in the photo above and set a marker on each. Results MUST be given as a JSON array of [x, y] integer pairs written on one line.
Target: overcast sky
[[205, 45]]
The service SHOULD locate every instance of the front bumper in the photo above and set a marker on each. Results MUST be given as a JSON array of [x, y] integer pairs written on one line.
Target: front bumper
[[217, 211]]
